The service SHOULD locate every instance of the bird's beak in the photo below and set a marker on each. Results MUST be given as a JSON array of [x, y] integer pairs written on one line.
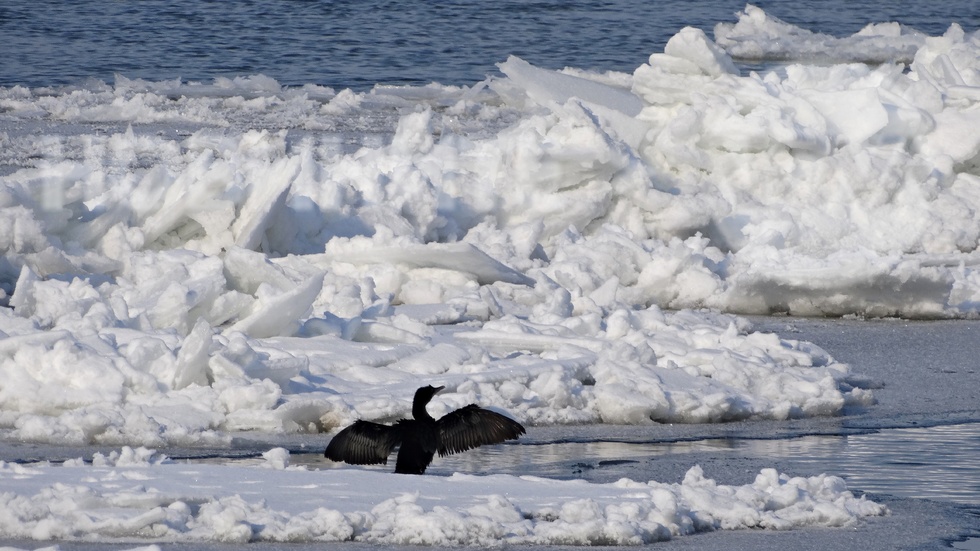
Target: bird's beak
[[439, 389]]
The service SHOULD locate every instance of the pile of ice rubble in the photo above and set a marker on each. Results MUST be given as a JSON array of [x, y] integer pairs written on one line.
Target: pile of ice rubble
[[170, 287]]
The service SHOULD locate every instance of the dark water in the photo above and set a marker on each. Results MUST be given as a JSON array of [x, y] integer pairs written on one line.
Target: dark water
[[936, 463], [360, 43]]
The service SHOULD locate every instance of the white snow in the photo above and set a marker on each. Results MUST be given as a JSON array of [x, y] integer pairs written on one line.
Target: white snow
[[182, 261], [138, 494]]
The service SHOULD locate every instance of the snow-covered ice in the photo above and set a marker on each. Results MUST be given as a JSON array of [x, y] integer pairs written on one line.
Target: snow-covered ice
[[185, 260], [136, 493]]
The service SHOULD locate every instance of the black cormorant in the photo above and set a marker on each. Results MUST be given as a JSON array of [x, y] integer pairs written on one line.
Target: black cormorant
[[418, 439]]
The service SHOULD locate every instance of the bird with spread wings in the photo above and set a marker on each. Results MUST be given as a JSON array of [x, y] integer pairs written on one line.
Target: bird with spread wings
[[420, 438]]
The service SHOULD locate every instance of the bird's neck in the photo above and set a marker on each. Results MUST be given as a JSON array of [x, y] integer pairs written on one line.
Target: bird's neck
[[419, 412]]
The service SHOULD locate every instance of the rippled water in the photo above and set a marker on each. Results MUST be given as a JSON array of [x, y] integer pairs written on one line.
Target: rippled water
[[357, 44], [937, 463], [929, 463]]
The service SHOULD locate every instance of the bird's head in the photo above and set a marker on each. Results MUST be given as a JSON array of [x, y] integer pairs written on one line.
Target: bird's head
[[427, 392], [422, 397]]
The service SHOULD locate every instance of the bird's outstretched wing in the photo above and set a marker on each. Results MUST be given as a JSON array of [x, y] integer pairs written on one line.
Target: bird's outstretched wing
[[363, 443], [472, 426]]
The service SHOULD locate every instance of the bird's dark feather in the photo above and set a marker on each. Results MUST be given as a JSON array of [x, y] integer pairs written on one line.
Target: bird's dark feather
[[364, 443], [472, 426]]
